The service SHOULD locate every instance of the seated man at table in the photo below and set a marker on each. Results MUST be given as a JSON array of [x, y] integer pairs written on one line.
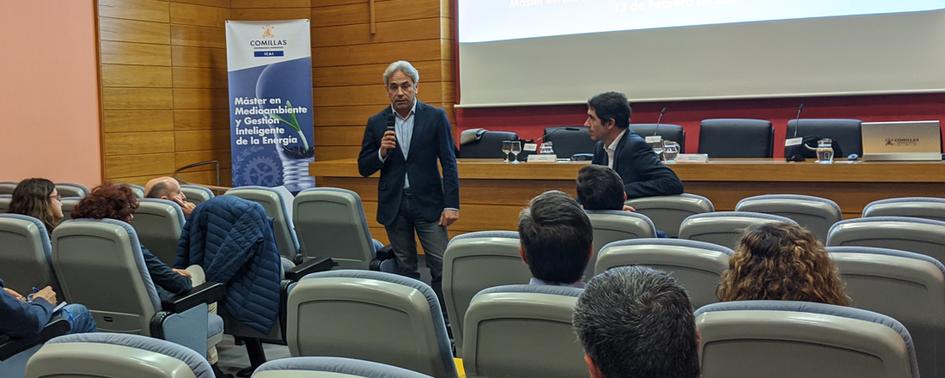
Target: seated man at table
[[608, 116], [555, 236]]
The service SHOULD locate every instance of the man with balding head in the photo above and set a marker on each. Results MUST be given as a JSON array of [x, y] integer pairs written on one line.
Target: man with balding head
[[169, 189]]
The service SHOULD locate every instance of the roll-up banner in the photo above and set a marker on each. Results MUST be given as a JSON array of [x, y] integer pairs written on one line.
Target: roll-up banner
[[269, 66]]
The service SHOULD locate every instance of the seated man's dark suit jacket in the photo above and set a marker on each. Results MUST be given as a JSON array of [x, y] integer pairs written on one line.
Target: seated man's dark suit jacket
[[641, 170], [432, 140]]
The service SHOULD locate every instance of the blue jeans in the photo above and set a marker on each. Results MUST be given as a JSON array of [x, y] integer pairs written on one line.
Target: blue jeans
[[79, 318]]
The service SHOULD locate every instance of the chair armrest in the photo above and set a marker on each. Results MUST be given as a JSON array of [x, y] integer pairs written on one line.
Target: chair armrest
[[9, 347], [206, 293], [311, 266]]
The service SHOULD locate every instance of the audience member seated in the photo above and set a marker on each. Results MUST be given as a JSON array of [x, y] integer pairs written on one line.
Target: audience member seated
[[38, 198], [778, 261], [168, 188], [601, 188], [635, 321], [556, 238], [608, 116], [24, 316]]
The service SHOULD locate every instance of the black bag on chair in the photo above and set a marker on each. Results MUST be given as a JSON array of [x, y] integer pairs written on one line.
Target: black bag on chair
[[385, 253]]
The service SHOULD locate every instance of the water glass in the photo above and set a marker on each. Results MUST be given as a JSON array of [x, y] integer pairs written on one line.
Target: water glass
[[506, 148], [516, 149], [670, 150], [825, 151]]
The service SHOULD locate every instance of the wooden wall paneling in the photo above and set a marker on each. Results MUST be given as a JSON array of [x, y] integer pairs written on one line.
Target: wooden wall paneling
[[185, 98], [392, 10], [198, 36], [136, 98], [120, 75], [371, 74], [138, 143], [201, 140], [189, 157], [209, 3], [121, 30], [134, 53], [323, 152], [192, 56], [139, 164], [135, 120], [188, 77], [142, 10], [339, 135], [392, 31], [199, 15], [240, 4], [206, 177], [265, 14], [373, 94], [201, 119], [378, 53]]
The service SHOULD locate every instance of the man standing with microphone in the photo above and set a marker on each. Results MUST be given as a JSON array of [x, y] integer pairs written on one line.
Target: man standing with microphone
[[405, 141]]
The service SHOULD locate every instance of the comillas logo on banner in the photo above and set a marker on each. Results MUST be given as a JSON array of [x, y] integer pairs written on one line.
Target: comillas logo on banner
[[270, 81]]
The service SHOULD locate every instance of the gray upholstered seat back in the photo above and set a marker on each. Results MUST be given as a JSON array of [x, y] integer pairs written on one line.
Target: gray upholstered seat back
[[668, 131], [370, 315], [903, 233], [108, 355], [278, 207], [7, 187], [486, 145], [802, 339], [523, 331], [196, 193], [5, 200], [724, 227], [698, 266], [667, 212], [68, 204], [814, 213], [907, 286], [158, 224], [476, 261], [25, 257], [615, 225], [331, 367], [846, 132], [67, 190], [918, 207], [330, 223], [99, 264], [138, 190]]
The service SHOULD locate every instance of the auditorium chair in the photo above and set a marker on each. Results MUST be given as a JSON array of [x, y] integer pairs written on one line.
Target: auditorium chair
[[67, 205], [569, 140], [25, 262], [483, 143], [159, 223], [99, 264], [668, 131], [917, 235], [196, 193], [137, 189], [15, 352], [736, 138], [370, 315], [698, 266], [615, 225], [278, 205], [846, 132], [7, 187], [813, 213], [67, 190], [918, 207], [667, 212], [907, 286], [107, 355], [781, 339], [724, 228], [475, 261], [5, 200], [330, 222], [331, 367], [523, 331]]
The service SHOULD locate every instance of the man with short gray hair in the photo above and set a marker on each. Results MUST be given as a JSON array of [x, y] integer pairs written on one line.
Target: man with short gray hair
[[405, 141], [635, 321]]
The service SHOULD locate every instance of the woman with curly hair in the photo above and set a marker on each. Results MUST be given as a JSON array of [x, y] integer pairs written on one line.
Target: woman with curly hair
[[38, 198], [778, 261], [119, 202]]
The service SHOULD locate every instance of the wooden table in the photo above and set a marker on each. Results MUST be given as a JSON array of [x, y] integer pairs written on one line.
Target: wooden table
[[492, 192]]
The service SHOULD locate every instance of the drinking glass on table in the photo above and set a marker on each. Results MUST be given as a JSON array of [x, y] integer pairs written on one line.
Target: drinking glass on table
[[825, 151], [506, 148], [516, 149], [670, 151]]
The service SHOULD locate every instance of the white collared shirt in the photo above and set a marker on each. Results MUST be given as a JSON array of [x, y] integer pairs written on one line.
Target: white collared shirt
[[403, 127], [612, 148]]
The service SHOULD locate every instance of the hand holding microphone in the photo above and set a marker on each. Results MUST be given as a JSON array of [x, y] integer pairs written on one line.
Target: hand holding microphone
[[389, 141]]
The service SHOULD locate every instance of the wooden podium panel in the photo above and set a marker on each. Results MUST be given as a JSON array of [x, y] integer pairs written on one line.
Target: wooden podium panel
[[492, 193]]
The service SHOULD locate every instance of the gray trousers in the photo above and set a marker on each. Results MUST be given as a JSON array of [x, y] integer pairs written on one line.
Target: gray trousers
[[433, 238]]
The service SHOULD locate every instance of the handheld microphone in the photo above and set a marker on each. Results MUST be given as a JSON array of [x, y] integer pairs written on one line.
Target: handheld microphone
[[659, 121], [796, 153], [390, 123]]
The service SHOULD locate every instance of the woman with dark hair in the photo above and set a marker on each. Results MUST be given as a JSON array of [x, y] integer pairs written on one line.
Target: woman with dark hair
[[38, 198], [119, 202], [778, 261]]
